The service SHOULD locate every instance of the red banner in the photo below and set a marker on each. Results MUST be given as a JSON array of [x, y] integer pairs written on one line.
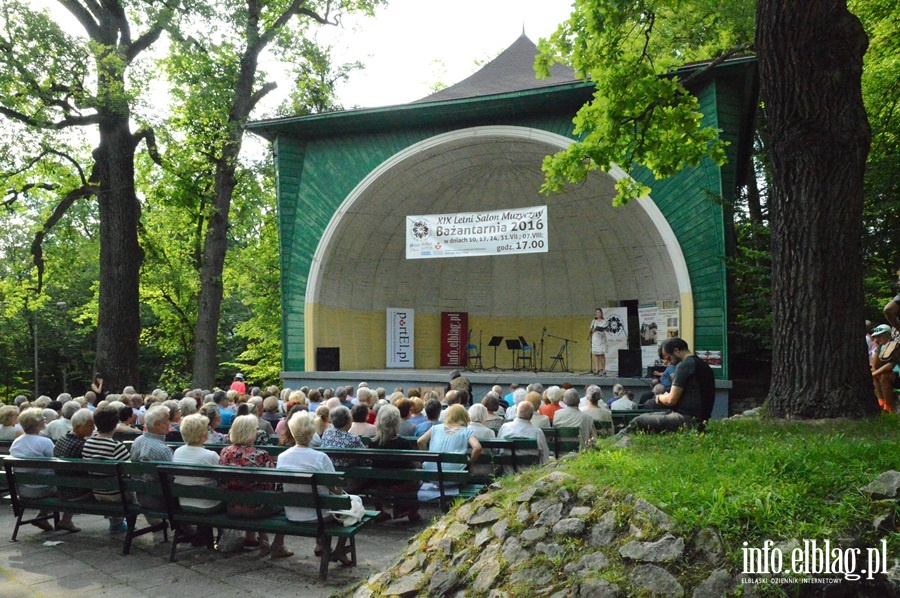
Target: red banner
[[454, 337]]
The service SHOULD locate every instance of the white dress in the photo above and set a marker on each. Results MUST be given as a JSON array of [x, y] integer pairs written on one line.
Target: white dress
[[598, 336]]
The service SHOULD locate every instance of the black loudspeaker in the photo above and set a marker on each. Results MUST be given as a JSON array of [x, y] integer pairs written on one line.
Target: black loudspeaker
[[629, 363], [328, 359]]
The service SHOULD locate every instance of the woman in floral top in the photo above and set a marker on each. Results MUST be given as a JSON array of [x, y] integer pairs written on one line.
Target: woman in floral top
[[339, 437], [211, 412], [243, 454]]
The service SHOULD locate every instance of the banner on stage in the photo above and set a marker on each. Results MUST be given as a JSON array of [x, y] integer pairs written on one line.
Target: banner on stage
[[501, 232], [616, 335], [400, 338], [454, 333], [650, 340]]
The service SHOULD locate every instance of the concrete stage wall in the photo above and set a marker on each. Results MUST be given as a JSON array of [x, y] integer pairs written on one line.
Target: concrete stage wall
[[482, 381]]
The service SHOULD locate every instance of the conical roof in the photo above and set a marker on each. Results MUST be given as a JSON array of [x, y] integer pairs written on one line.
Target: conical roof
[[511, 71]]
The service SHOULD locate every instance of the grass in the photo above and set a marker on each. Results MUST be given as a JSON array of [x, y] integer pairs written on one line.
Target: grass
[[757, 480]]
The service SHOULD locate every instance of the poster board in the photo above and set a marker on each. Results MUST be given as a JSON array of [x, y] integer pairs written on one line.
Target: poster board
[[400, 338]]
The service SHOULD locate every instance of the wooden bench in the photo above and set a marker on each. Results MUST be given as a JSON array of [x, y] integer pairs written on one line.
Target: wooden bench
[[563, 440], [365, 466], [79, 477], [290, 489]]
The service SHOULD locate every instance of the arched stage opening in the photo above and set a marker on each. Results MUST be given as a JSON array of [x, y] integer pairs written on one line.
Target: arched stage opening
[[598, 255]]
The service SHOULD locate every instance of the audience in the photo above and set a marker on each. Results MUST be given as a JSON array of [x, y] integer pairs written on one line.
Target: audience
[[387, 436]]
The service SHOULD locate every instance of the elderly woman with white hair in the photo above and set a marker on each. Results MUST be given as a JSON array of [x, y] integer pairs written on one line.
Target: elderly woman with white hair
[[9, 423], [32, 445], [478, 414], [194, 431], [301, 457], [242, 453]]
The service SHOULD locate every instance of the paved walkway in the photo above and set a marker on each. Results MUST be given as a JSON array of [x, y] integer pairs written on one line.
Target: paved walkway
[[90, 563]]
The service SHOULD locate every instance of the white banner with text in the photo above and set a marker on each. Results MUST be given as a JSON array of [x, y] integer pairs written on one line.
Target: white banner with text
[[400, 338], [501, 232]]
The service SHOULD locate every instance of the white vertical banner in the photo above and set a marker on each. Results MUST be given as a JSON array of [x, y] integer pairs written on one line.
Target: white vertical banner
[[649, 334], [400, 337], [616, 335]]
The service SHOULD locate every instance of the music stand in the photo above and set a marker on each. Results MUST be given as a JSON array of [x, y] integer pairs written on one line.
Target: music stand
[[495, 342], [514, 345]]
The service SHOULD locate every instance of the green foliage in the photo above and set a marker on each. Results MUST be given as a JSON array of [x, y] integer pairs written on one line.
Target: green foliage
[[756, 480], [641, 113]]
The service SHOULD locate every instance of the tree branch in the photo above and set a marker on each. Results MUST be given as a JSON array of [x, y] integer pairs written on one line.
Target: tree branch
[[147, 134], [37, 250], [261, 93], [84, 16]]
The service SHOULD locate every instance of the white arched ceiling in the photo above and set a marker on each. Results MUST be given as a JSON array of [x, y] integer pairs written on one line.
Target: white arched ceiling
[[598, 254]]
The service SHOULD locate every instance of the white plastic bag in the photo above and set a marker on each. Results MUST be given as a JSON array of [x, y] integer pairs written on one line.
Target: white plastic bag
[[354, 514]]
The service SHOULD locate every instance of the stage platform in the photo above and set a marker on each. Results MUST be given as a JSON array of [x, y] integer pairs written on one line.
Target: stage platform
[[482, 381]]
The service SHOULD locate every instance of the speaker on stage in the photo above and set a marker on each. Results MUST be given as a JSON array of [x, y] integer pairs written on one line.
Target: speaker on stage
[[629, 363], [328, 359]]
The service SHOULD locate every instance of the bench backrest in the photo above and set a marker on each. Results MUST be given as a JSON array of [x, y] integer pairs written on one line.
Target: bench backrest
[[69, 476], [270, 487]]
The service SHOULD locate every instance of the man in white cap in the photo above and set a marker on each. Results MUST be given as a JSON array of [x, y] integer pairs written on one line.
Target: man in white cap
[[238, 384]]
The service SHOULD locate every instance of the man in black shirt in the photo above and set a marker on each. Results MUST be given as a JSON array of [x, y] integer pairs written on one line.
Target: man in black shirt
[[691, 397]]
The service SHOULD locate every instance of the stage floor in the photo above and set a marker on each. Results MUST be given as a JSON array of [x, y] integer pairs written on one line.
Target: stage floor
[[482, 381]]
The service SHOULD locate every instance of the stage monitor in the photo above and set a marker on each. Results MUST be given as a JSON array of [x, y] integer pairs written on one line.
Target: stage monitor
[[328, 359], [629, 363]]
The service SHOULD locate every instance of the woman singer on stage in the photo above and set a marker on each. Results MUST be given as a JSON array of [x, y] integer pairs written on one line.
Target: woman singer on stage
[[599, 325]]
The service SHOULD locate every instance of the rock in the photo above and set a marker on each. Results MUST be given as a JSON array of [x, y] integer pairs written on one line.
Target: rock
[[604, 530], [466, 510], [651, 514], [708, 545], [571, 527], [375, 578], [551, 550], [500, 529], [887, 485], [523, 513], [543, 505], [598, 588], [363, 591], [442, 583], [595, 561], [624, 441], [408, 566], [563, 495], [537, 577], [483, 498], [445, 546], [405, 586], [483, 537], [556, 478], [534, 534], [587, 493], [512, 552], [456, 530], [486, 576], [550, 516], [498, 594], [484, 515], [580, 511], [718, 584], [655, 580], [635, 531], [526, 495], [667, 549], [461, 557]]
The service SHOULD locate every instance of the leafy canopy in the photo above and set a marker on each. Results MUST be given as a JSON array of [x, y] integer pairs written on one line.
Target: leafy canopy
[[641, 113]]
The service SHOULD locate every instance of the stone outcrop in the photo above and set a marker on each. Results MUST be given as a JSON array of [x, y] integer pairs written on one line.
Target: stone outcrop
[[556, 540]]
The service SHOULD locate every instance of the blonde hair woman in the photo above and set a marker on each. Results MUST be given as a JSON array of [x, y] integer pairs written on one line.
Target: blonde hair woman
[[453, 436]]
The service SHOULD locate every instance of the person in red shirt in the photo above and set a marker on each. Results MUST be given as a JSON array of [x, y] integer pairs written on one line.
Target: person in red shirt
[[554, 394], [238, 384]]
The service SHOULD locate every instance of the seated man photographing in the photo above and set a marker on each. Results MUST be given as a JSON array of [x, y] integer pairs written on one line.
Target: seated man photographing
[[690, 399]]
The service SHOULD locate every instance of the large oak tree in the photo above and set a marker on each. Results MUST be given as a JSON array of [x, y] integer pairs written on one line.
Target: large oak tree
[[810, 63]]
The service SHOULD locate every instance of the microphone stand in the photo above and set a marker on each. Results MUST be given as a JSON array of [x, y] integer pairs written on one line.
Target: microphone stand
[[543, 332]]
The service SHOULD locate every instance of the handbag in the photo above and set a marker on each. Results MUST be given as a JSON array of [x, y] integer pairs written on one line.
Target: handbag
[[354, 514], [890, 352]]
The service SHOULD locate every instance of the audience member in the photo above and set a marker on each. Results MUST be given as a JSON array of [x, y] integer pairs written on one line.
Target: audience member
[[554, 394], [9, 423], [572, 417], [433, 414], [387, 437], [453, 436], [103, 447], [598, 410], [521, 427]]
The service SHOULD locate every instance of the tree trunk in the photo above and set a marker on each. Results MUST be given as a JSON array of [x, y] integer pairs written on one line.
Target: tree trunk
[[810, 61], [119, 322], [216, 242]]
